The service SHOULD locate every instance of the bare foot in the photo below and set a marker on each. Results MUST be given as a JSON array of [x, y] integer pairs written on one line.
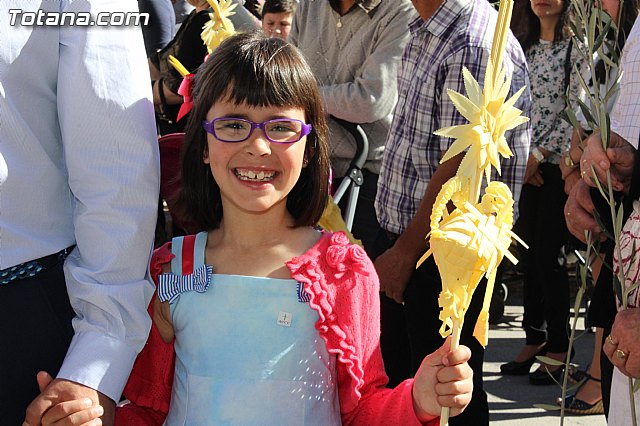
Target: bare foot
[[590, 392]]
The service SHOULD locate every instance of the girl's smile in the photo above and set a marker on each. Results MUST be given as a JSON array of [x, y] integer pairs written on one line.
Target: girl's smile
[[254, 175]]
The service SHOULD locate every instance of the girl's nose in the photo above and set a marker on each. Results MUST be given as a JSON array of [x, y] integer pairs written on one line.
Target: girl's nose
[[258, 144]]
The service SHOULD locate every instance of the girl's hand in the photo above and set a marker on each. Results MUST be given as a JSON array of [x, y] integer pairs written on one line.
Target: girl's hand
[[444, 379]]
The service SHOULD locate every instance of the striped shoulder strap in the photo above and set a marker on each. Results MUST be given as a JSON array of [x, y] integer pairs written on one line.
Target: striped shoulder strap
[[188, 271]]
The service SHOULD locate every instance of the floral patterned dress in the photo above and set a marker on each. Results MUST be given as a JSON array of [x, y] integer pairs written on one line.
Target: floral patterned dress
[[546, 62]]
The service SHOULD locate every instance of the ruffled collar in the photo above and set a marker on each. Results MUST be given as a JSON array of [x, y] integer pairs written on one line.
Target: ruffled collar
[[325, 269]]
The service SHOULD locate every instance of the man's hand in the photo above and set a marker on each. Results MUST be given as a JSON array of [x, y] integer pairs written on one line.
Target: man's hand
[[394, 268], [444, 379], [619, 159], [54, 402], [622, 346], [578, 212]]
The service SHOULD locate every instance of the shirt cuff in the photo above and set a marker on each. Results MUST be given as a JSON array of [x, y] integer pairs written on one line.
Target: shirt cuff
[[99, 362]]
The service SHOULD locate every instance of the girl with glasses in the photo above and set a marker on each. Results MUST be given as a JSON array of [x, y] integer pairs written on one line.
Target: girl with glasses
[[273, 321]]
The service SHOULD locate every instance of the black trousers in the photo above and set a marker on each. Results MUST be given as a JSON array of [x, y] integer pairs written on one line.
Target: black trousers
[[410, 332], [35, 329], [546, 285]]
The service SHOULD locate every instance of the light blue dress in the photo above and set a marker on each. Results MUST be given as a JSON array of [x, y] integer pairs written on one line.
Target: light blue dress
[[247, 351]]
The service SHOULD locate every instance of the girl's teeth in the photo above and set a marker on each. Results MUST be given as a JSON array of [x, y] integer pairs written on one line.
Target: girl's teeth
[[251, 175]]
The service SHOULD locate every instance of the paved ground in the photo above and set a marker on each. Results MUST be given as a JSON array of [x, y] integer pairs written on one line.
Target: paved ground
[[512, 399]]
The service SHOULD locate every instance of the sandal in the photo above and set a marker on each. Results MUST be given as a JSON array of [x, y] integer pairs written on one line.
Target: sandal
[[577, 406], [578, 376]]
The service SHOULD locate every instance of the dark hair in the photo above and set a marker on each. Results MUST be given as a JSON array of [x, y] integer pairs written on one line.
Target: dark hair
[[526, 25], [278, 6], [260, 71]]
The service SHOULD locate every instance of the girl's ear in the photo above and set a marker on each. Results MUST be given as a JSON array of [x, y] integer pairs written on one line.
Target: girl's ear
[[205, 155]]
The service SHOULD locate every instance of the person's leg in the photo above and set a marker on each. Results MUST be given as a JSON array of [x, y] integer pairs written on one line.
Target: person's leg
[[394, 342], [590, 391], [551, 235], [423, 324], [533, 318], [35, 325]]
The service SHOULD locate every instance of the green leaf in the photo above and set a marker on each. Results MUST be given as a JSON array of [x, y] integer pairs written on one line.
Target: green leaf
[[547, 407], [570, 115], [599, 185], [612, 90], [591, 30], [603, 34], [586, 111], [636, 385], [549, 361], [617, 287], [607, 61], [619, 219], [606, 231]]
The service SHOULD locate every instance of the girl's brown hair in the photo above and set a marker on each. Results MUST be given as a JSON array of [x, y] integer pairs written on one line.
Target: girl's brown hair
[[259, 71]]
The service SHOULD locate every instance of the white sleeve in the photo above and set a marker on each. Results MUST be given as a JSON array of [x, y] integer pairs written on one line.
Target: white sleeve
[[110, 150]]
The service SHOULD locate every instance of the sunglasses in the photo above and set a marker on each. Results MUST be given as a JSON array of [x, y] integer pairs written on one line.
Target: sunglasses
[[279, 130]]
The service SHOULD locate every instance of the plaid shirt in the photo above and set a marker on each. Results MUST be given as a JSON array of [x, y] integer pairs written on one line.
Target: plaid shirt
[[459, 34]]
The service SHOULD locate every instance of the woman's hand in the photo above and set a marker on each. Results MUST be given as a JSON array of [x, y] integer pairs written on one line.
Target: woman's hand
[[444, 379], [532, 174], [622, 346], [570, 180]]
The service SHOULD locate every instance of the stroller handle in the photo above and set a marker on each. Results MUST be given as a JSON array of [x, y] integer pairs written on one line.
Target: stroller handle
[[362, 142]]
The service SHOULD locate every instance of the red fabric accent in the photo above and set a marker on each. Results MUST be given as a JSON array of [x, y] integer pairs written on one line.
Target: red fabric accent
[[188, 243], [136, 415], [185, 89], [151, 379]]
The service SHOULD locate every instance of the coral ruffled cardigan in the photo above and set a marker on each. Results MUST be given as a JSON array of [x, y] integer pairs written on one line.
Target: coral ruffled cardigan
[[343, 288]]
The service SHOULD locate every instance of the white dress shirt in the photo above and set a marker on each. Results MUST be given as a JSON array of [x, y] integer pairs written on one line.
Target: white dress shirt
[[625, 117], [79, 165]]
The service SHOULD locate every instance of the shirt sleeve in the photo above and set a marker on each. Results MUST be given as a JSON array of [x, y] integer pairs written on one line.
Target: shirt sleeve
[[372, 94], [624, 117], [111, 154]]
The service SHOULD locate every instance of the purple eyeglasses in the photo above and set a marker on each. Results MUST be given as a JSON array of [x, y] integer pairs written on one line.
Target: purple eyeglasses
[[279, 130]]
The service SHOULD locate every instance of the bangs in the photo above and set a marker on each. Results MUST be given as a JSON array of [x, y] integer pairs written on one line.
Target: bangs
[[269, 73]]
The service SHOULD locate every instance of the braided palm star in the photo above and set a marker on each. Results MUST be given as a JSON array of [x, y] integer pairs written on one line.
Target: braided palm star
[[489, 115], [220, 26]]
